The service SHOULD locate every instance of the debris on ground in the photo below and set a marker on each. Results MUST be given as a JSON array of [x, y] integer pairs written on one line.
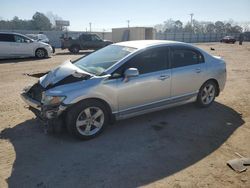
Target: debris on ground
[[239, 164], [36, 75]]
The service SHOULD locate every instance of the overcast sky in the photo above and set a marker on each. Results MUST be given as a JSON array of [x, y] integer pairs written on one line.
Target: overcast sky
[[106, 14]]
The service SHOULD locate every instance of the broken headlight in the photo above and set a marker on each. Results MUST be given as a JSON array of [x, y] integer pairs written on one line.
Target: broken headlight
[[52, 100]]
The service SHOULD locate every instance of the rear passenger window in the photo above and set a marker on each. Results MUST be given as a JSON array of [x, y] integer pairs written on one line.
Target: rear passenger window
[[184, 57], [6, 38]]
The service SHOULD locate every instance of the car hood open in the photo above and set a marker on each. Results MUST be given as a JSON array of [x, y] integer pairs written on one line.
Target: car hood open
[[64, 74]]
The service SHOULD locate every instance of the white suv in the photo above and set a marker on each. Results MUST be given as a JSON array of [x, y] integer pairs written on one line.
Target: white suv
[[13, 45]]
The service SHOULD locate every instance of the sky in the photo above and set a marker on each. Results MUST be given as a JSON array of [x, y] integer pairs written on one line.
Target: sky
[[107, 14]]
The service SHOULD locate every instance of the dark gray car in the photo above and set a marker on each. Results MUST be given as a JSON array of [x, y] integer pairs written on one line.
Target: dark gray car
[[85, 41]]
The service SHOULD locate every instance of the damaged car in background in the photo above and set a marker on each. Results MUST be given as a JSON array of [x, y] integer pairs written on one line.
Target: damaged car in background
[[123, 80]]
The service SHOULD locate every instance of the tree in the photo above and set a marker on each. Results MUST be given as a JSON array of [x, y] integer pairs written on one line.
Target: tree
[[188, 27], [227, 28], [202, 27], [178, 26], [245, 26], [169, 25], [40, 22], [53, 17], [219, 27], [210, 28], [236, 29]]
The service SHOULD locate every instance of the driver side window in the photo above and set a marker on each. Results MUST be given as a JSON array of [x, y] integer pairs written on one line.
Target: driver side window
[[20, 39], [95, 38], [151, 60]]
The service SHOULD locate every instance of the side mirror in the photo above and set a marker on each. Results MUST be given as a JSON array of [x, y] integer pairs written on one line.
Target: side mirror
[[130, 72], [28, 41]]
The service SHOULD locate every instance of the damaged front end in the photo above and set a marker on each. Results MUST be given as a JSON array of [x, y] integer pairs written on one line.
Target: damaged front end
[[51, 113], [50, 108]]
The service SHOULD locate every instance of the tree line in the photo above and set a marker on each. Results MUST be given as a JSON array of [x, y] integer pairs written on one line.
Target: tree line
[[198, 27], [42, 22], [39, 21]]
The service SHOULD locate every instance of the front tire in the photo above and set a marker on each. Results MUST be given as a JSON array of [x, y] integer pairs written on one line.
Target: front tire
[[207, 94], [41, 53], [87, 119]]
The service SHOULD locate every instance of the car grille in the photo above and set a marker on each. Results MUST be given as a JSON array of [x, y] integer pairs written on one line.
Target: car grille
[[35, 92]]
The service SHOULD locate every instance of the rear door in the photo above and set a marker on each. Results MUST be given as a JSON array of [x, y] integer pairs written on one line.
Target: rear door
[[188, 70], [7, 47]]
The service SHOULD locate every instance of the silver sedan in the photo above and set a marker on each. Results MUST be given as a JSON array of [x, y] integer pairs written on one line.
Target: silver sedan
[[123, 80]]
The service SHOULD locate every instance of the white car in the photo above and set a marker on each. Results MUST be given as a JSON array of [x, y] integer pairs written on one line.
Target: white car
[[13, 45]]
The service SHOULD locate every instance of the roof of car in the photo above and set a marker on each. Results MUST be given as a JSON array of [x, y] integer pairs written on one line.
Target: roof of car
[[5, 32], [12, 33], [146, 43]]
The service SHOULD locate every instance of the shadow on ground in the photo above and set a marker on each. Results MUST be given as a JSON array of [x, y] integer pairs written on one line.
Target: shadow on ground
[[131, 153], [19, 60]]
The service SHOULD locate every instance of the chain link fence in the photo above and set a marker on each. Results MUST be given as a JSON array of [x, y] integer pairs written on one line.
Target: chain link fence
[[194, 37]]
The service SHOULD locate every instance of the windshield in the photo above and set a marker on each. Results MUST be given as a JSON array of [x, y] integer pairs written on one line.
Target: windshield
[[34, 37], [99, 61]]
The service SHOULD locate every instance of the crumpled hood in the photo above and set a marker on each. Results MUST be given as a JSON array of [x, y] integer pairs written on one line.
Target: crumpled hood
[[58, 74]]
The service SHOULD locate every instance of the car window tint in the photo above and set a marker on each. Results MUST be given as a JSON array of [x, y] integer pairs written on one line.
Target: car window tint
[[148, 61], [185, 57], [20, 39], [95, 38], [6, 38], [86, 37]]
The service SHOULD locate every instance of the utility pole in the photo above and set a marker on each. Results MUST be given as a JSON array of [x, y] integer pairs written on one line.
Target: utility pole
[[128, 22], [90, 26], [191, 15], [103, 33]]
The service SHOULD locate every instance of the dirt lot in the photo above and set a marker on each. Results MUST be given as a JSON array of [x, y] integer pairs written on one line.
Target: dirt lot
[[179, 147]]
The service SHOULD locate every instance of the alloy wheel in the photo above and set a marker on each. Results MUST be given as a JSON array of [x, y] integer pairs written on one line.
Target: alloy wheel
[[40, 53], [208, 94], [90, 121]]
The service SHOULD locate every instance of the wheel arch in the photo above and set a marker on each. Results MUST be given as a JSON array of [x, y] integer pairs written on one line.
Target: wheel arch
[[75, 45], [105, 103], [46, 52], [216, 83]]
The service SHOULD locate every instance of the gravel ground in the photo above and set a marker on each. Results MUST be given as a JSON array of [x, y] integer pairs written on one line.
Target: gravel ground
[[179, 147]]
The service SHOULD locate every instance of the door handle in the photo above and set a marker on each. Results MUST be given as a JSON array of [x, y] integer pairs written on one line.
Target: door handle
[[164, 77], [198, 70]]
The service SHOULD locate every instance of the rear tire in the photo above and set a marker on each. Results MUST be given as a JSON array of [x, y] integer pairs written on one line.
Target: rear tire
[[87, 119], [207, 94], [74, 49]]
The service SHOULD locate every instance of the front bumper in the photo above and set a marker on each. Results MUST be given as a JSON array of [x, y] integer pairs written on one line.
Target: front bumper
[[31, 102], [49, 51], [44, 113]]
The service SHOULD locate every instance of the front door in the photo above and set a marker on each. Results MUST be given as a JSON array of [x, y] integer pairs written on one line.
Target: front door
[[23, 46], [151, 87]]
